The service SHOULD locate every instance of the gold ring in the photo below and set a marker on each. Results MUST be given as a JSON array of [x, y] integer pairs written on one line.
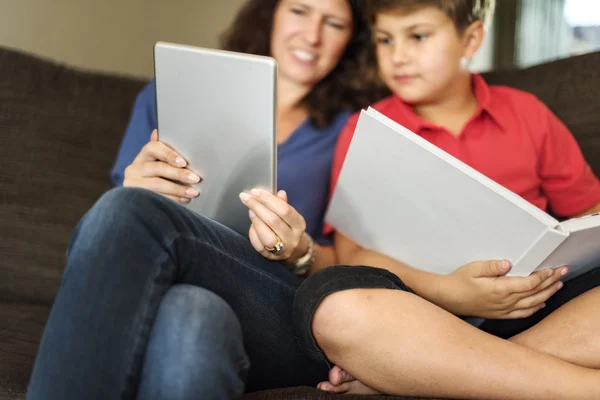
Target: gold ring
[[277, 247]]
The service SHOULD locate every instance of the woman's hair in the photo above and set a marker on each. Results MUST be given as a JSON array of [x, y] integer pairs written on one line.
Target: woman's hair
[[351, 85]]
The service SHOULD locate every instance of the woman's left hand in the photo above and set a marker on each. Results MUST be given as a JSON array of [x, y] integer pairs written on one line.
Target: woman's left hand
[[273, 219]]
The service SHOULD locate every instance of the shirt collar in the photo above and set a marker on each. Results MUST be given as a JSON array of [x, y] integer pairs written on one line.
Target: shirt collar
[[486, 101], [416, 123]]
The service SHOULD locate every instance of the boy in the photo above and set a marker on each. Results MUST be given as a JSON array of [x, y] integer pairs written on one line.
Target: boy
[[408, 341]]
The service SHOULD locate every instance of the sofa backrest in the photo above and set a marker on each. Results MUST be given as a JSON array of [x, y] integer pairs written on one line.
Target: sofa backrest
[[61, 129]]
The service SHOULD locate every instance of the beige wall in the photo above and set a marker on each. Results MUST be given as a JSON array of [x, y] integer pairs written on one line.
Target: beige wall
[[111, 35], [118, 35]]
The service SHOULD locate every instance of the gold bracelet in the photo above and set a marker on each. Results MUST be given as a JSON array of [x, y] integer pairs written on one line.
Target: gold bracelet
[[302, 266]]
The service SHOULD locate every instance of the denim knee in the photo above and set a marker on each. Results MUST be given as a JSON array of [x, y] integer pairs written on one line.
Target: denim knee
[[196, 347], [194, 306], [117, 208]]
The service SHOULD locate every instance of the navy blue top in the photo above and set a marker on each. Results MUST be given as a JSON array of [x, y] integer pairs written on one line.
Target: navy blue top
[[304, 159]]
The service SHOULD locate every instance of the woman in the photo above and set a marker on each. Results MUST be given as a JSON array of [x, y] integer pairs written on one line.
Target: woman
[[151, 291]]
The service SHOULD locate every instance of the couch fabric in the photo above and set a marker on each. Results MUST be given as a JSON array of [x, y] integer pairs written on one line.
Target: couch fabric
[[61, 128]]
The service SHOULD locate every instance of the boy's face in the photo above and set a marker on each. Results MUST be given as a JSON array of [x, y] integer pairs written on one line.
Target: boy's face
[[419, 54]]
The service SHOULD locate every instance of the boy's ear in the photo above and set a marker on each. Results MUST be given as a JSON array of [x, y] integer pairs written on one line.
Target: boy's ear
[[473, 38]]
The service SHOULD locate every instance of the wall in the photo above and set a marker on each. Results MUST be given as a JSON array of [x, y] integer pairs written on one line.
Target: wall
[[111, 35], [118, 35]]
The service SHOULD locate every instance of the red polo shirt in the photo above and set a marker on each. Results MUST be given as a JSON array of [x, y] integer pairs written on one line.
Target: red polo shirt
[[513, 138]]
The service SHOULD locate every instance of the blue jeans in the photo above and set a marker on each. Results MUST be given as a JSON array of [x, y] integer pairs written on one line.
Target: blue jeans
[[126, 254], [195, 349]]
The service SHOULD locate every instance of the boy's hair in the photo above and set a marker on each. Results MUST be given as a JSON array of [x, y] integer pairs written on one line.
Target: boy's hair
[[462, 12]]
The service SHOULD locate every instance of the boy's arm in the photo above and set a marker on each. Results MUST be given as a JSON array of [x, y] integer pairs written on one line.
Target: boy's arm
[[425, 284], [477, 289], [566, 178], [593, 210]]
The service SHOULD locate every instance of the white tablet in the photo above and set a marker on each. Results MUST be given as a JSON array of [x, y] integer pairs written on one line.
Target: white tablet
[[218, 109]]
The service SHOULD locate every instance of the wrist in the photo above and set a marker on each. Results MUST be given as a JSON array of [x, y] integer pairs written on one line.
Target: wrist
[[302, 265], [300, 251], [442, 290]]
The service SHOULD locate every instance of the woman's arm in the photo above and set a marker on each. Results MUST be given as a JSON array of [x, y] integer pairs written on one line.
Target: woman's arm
[[141, 124]]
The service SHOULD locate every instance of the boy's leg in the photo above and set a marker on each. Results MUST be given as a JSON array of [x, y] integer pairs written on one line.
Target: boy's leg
[[568, 328], [398, 343]]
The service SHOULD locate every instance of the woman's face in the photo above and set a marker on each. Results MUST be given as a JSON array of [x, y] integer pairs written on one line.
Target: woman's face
[[309, 37]]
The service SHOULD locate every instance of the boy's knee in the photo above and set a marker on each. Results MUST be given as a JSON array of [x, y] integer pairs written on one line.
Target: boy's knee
[[330, 305], [335, 321]]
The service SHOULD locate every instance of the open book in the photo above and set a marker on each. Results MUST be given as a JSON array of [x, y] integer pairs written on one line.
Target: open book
[[404, 197]]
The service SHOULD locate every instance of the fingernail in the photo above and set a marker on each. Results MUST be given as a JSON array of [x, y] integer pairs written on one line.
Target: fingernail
[[550, 272], [564, 271], [180, 161], [192, 192], [184, 200], [251, 213], [560, 285], [504, 265], [244, 196], [193, 178], [542, 305], [255, 192]]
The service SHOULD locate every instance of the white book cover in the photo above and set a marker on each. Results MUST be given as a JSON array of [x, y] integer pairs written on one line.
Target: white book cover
[[404, 197]]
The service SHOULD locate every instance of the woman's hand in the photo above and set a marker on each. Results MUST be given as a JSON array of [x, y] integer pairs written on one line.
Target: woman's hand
[[160, 169], [480, 289], [273, 219]]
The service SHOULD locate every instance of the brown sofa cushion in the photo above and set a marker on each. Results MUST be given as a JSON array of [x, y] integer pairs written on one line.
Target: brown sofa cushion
[[308, 393], [20, 331], [61, 129]]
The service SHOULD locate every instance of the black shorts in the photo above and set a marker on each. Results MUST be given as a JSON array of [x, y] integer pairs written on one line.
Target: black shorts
[[338, 278]]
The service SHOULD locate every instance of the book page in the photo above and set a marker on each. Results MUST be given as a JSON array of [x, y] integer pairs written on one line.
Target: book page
[[580, 252], [575, 224], [467, 169]]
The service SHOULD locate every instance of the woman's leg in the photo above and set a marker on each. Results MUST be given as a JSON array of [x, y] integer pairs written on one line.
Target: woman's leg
[[126, 253], [398, 343], [195, 349]]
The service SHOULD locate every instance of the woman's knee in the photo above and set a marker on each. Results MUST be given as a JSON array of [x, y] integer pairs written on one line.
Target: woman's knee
[[118, 206], [124, 200], [116, 210], [192, 311], [196, 342]]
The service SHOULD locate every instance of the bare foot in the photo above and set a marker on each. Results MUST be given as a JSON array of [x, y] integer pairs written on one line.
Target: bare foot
[[341, 381]]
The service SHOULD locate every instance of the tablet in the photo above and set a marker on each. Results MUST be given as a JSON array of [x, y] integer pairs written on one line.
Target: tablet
[[218, 110]]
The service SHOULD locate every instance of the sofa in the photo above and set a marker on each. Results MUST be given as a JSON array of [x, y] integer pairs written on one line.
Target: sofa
[[61, 128]]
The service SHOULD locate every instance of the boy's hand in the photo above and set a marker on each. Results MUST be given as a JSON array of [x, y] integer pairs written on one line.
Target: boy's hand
[[480, 289]]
